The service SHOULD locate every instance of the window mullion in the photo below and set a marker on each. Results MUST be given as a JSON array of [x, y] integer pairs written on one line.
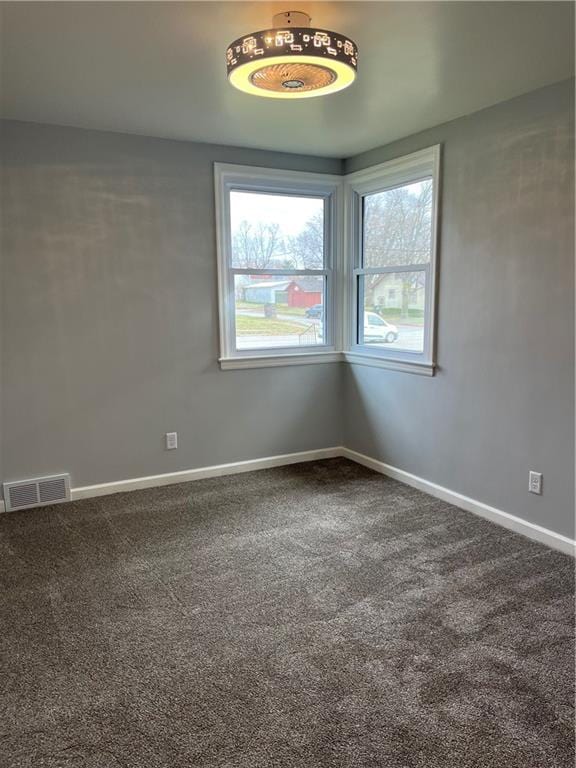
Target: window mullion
[[280, 272]]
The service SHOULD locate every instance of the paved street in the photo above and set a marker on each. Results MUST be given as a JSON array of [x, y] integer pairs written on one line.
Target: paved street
[[410, 338]]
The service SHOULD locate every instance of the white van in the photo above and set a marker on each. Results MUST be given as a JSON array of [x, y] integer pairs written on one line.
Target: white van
[[377, 329]]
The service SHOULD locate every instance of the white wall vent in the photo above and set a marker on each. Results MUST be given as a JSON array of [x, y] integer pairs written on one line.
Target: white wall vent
[[36, 492]]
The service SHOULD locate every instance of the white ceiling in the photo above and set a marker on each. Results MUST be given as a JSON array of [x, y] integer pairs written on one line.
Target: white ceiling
[[157, 68]]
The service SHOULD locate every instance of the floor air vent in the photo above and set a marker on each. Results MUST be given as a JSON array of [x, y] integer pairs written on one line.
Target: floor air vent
[[36, 492]]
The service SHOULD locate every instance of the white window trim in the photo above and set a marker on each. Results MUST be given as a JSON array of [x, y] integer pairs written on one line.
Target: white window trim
[[229, 177], [403, 170], [343, 222]]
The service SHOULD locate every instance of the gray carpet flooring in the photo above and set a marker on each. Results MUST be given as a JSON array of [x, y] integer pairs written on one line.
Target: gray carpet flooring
[[318, 615]]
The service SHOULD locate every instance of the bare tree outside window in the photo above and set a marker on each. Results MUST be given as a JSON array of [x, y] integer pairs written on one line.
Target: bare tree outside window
[[262, 246], [397, 232], [395, 262], [307, 247], [397, 225], [279, 275], [256, 246]]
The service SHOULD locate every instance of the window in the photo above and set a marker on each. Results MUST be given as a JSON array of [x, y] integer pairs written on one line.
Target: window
[[276, 240], [319, 268], [392, 215]]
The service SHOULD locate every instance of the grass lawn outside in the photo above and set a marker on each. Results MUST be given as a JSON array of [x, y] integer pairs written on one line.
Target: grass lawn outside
[[264, 326], [396, 318], [281, 309]]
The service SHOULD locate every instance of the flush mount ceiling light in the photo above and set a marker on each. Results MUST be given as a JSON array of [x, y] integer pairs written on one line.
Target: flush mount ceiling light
[[292, 60]]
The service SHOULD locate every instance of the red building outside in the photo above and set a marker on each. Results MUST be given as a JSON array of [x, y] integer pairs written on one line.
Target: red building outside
[[299, 296]]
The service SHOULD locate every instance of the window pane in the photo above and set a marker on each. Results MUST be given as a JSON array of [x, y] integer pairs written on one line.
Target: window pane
[[393, 305], [398, 226], [279, 311], [276, 231]]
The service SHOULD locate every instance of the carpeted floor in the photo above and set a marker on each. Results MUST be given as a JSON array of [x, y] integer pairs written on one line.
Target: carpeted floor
[[313, 616]]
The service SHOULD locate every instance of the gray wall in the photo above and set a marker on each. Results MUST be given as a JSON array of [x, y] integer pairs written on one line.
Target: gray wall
[[110, 317], [110, 314], [502, 402]]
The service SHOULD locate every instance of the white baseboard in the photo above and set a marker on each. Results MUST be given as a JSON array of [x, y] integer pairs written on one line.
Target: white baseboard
[[533, 531], [516, 524], [219, 470]]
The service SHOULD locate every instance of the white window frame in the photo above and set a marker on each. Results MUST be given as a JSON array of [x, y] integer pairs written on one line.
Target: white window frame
[[254, 179], [404, 170]]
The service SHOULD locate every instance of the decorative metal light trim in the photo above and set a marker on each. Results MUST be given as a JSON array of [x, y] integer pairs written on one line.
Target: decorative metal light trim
[[292, 62]]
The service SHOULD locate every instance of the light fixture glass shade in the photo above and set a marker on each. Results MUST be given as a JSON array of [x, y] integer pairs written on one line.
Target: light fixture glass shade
[[292, 62]]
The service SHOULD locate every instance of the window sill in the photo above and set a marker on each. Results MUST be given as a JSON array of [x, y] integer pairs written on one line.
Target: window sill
[[274, 361], [405, 366], [315, 358]]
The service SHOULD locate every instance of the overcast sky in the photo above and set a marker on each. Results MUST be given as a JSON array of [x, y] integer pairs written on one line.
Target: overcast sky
[[291, 213]]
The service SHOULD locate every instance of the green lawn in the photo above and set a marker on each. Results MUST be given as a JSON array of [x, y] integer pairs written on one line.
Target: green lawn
[[264, 326], [395, 317], [281, 309]]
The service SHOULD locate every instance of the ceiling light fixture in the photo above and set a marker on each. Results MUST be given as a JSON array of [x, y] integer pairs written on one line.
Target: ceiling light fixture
[[292, 60]]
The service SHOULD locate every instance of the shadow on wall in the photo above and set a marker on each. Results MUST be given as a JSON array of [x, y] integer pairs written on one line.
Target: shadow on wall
[[398, 418], [361, 417]]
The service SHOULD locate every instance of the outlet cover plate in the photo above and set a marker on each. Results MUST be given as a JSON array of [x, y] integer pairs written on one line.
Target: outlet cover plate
[[535, 483], [171, 441]]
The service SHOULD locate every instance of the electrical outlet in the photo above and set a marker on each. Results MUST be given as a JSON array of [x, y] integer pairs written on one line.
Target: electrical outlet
[[171, 441], [535, 482]]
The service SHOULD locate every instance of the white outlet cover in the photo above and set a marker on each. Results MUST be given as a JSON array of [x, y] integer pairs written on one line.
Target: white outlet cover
[[171, 441], [535, 482]]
